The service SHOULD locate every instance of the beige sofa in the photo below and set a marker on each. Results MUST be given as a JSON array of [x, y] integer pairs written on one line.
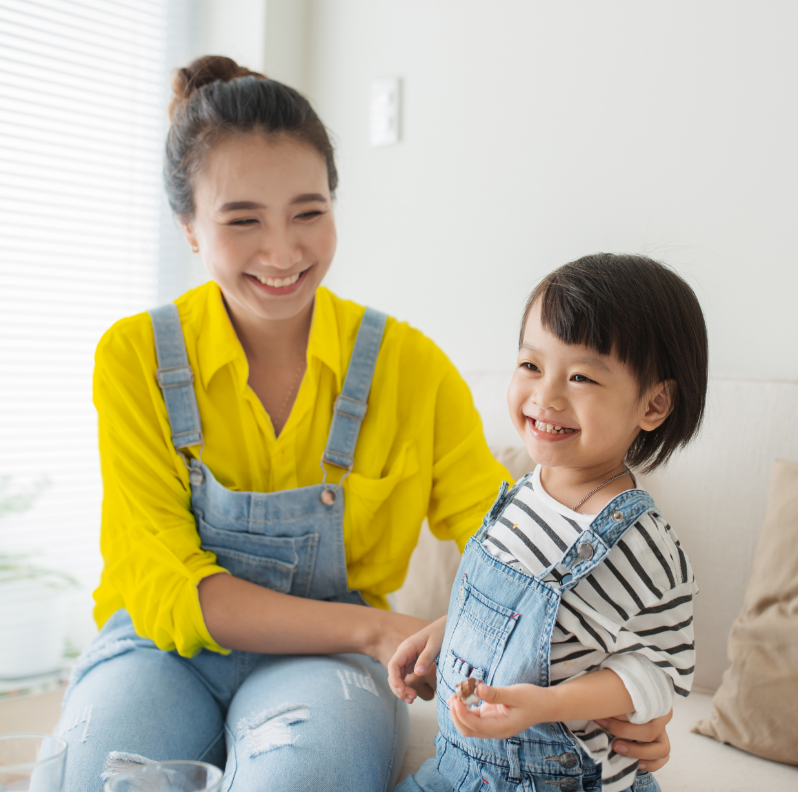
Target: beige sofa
[[714, 494]]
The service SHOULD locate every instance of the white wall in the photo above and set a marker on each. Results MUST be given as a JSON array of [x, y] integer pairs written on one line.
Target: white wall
[[536, 132]]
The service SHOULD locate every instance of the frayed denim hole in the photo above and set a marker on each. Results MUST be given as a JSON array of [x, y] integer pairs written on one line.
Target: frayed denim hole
[[267, 731]]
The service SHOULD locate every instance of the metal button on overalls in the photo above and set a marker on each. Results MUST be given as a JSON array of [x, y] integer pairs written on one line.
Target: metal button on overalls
[[585, 551], [569, 760]]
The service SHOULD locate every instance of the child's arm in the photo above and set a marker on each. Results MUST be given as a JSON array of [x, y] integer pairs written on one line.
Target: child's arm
[[411, 671], [507, 711]]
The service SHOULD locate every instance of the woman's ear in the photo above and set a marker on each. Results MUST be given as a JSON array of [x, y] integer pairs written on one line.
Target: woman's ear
[[188, 233], [658, 404]]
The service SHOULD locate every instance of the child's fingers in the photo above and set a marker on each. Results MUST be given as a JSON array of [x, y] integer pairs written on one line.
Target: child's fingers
[[396, 679], [461, 717], [401, 664], [425, 659], [493, 695]]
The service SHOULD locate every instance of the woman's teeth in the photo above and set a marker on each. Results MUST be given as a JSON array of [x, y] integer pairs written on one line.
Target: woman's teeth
[[552, 428], [279, 283]]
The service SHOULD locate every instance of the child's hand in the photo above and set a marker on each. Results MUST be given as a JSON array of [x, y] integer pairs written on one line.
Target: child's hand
[[411, 671], [505, 711], [423, 684]]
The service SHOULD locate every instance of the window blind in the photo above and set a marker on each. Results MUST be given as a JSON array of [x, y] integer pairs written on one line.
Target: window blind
[[82, 108]]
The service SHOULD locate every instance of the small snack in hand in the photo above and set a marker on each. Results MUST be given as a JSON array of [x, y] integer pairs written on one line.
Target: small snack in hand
[[467, 691]]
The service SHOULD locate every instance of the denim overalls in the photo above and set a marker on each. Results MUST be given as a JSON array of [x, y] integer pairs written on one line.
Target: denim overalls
[[290, 541], [499, 630], [282, 722]]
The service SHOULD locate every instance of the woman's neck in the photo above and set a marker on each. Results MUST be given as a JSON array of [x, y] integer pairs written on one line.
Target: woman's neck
[[272, 343]]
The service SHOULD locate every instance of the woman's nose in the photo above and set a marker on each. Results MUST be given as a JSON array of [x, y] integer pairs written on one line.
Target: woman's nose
[[280, 250]]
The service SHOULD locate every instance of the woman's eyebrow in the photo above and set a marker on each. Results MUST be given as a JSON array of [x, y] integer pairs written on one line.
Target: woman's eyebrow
[[231, 206], [306, 197]]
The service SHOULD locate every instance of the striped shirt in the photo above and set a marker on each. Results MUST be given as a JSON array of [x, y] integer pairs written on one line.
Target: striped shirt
[[633, 613]]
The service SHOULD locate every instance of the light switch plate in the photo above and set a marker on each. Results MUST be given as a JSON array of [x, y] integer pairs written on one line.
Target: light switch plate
[[384, 111]]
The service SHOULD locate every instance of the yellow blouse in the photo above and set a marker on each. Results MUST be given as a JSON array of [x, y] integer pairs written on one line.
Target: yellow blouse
[[421, 452]]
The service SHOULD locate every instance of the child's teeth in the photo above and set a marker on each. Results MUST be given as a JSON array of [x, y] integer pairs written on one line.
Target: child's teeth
[[552, 428]]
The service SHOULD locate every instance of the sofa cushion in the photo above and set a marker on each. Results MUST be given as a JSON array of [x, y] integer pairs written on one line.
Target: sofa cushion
[[755, 707]]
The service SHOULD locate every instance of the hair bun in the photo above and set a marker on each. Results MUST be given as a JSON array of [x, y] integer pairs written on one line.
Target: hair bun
[[202, 71]]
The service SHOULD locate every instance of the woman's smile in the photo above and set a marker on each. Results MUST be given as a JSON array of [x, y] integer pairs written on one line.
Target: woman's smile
[[288, 284]]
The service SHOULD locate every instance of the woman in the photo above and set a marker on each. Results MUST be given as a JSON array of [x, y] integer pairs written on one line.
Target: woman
[[268, 454]]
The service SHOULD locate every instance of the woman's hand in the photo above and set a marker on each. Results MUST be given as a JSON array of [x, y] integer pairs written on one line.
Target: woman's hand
[[411, 670], [647, 742]]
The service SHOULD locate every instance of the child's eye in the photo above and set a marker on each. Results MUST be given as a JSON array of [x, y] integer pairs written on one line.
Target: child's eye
[[580, 378], [529, 366], [244, 222], [309, 215]]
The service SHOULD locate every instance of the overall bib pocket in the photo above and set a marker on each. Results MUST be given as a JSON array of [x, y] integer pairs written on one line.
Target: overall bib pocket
[[280, 563], [476, 634]]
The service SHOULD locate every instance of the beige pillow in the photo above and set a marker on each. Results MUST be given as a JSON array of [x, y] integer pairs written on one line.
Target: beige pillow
[[756, 705], [425, 592]]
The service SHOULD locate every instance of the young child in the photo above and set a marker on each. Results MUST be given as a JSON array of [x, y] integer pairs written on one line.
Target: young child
[[573, 602]]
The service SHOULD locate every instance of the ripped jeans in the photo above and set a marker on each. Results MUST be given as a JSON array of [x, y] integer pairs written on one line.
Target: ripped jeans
[[271, 722]]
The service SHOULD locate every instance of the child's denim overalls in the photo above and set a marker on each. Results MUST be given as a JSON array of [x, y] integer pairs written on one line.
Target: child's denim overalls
[[499, 629], [288, 722]]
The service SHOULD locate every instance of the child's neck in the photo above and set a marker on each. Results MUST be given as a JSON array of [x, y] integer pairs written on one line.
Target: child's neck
[[569, 486]]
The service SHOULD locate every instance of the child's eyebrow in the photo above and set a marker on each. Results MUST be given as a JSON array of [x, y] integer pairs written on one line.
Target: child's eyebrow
[[588, 360]]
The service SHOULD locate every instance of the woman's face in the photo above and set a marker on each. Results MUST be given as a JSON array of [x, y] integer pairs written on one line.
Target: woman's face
[[264, 224]]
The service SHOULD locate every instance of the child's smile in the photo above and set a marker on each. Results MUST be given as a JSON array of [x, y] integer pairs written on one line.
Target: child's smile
[[544, 430]]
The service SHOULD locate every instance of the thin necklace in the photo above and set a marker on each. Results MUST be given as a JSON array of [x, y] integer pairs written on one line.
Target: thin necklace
[[625, 471], [288, 395]]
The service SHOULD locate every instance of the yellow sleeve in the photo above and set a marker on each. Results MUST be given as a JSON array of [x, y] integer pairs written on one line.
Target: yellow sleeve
[[153, 561], [466, 476]]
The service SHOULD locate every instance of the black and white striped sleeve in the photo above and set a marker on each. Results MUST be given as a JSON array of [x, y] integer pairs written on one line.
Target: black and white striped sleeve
[[662, 630]]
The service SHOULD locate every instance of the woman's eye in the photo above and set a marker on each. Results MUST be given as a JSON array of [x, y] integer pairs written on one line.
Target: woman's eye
[[308, 215], [580, 378], [243, 222]]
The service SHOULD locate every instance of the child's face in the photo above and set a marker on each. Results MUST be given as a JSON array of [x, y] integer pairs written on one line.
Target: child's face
[[591, 400]]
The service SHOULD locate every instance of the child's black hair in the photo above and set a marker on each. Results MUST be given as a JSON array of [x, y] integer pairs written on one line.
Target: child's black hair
[[645, 314]]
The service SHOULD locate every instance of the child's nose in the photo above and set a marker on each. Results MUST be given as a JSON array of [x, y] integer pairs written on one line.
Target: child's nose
[[548, 395]]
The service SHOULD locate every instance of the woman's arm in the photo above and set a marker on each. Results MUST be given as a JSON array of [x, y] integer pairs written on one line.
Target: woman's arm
[[244, 616]]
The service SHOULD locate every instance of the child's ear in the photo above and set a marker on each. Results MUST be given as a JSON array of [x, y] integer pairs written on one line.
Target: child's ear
[[658, 404]]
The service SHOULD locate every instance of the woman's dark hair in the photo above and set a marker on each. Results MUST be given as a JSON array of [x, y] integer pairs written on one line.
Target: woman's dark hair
[[215, 98], [646, 315]]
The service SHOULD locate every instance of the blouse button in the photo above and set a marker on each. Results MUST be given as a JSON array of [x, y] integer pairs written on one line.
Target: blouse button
[[617, 516], [585, 551], [328, 497]]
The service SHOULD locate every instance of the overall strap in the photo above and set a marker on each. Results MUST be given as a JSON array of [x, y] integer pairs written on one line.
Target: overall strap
[[350, 406], [175, 377], [611, 523]]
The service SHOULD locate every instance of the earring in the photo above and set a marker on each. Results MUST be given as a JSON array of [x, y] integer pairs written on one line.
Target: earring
[[195, 249]]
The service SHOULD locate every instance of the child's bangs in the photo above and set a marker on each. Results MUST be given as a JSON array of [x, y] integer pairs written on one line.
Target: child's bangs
[[598, 320]]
